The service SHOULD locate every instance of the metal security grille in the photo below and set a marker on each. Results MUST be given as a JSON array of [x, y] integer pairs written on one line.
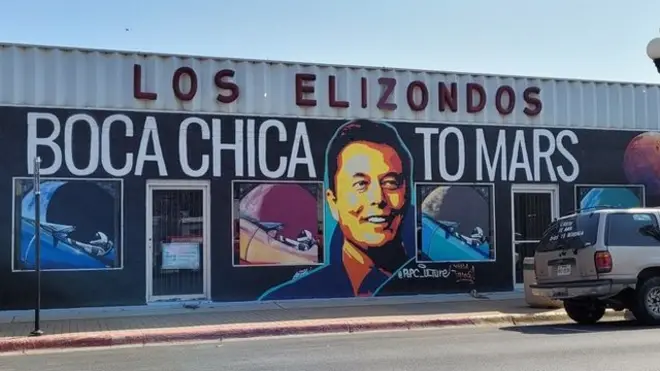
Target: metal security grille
[[177, 232], [532, 213]]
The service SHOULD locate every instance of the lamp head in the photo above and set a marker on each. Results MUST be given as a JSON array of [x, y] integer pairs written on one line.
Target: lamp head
[[653, 52]]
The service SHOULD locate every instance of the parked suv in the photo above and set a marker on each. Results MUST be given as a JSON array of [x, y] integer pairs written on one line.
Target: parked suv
[[607, 258]]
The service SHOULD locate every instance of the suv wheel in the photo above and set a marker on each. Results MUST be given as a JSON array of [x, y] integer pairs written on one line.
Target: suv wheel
[[584, 312], [647, 302]]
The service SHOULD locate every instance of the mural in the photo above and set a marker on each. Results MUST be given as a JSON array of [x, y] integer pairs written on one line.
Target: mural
[[278, 223], [590, 197], [455, 222], [300, 207], [641, 161], [80, 224], [369, 215]]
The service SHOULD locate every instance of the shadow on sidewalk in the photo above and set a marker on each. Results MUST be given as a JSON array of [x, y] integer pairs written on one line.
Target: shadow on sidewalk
[[211, 316]]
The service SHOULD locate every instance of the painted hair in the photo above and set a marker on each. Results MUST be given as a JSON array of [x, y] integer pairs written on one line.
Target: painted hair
[[366, 131]]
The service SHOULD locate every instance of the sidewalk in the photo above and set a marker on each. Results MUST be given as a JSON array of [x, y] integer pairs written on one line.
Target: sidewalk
[[105, 327]]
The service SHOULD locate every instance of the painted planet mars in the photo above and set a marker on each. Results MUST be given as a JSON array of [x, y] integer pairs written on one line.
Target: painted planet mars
[[641, 161], [278, 225], [289, 204]]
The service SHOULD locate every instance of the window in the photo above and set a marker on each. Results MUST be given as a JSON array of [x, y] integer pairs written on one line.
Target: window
[[623, 229], [573, 232]]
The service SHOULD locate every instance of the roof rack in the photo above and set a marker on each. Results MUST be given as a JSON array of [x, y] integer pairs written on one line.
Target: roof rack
[[596, 208]]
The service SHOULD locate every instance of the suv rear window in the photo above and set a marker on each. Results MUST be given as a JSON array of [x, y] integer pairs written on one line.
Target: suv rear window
[[573, 232]]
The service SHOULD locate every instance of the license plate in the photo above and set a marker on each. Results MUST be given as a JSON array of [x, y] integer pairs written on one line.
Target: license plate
[[563, 270]]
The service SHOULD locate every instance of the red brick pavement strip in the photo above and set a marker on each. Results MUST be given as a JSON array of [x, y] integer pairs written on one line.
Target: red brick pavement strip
[[301, 327]]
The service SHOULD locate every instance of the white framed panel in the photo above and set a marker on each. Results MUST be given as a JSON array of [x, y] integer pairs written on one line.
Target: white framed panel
[[59, 231], [274, 241], [577, 187], [493, 222]]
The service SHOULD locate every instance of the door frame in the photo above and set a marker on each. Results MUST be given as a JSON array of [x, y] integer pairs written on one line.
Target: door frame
[[175, 185], [553, 190]]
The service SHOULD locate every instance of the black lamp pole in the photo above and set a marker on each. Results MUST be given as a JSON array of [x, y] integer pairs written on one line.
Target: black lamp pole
[[37, 239]]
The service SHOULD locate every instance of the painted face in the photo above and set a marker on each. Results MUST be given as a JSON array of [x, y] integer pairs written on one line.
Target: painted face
[[370, 193]]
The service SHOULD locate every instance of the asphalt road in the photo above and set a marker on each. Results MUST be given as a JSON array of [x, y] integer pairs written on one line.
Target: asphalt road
[[604, 347]]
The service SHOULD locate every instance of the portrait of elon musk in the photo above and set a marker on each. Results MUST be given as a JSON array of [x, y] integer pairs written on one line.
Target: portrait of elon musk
[[370, 230]]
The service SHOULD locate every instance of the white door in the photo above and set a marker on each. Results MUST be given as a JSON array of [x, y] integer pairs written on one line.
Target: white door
[[533, 208], [178, 240]]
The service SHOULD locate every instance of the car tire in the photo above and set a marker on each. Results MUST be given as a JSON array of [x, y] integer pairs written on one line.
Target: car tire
[[584, 312], [647, 302]]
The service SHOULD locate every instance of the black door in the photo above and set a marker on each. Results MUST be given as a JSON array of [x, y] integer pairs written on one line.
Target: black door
[[532, 213]]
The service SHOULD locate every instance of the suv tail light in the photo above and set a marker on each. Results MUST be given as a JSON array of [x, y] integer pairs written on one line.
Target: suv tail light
[[603, 260]]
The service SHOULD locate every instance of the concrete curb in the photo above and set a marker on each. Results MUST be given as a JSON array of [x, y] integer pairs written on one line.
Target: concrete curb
[[236, 331]]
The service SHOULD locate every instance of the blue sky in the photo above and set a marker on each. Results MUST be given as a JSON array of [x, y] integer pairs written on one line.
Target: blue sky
[[589, 39]]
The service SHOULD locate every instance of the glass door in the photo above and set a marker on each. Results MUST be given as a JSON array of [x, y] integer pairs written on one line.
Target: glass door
[[177, 242]]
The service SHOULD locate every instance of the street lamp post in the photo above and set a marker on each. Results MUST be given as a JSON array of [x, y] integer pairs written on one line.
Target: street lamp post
[[37, 241], [653, 51]]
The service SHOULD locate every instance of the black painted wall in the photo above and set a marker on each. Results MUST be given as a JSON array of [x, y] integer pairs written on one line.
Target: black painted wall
[[600, 155]]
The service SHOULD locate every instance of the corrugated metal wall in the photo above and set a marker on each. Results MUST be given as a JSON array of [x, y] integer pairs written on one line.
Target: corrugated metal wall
[[31, 75]]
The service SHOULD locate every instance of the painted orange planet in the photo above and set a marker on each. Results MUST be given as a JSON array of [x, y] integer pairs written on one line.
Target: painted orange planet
[[641, 161], [278, 225]]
